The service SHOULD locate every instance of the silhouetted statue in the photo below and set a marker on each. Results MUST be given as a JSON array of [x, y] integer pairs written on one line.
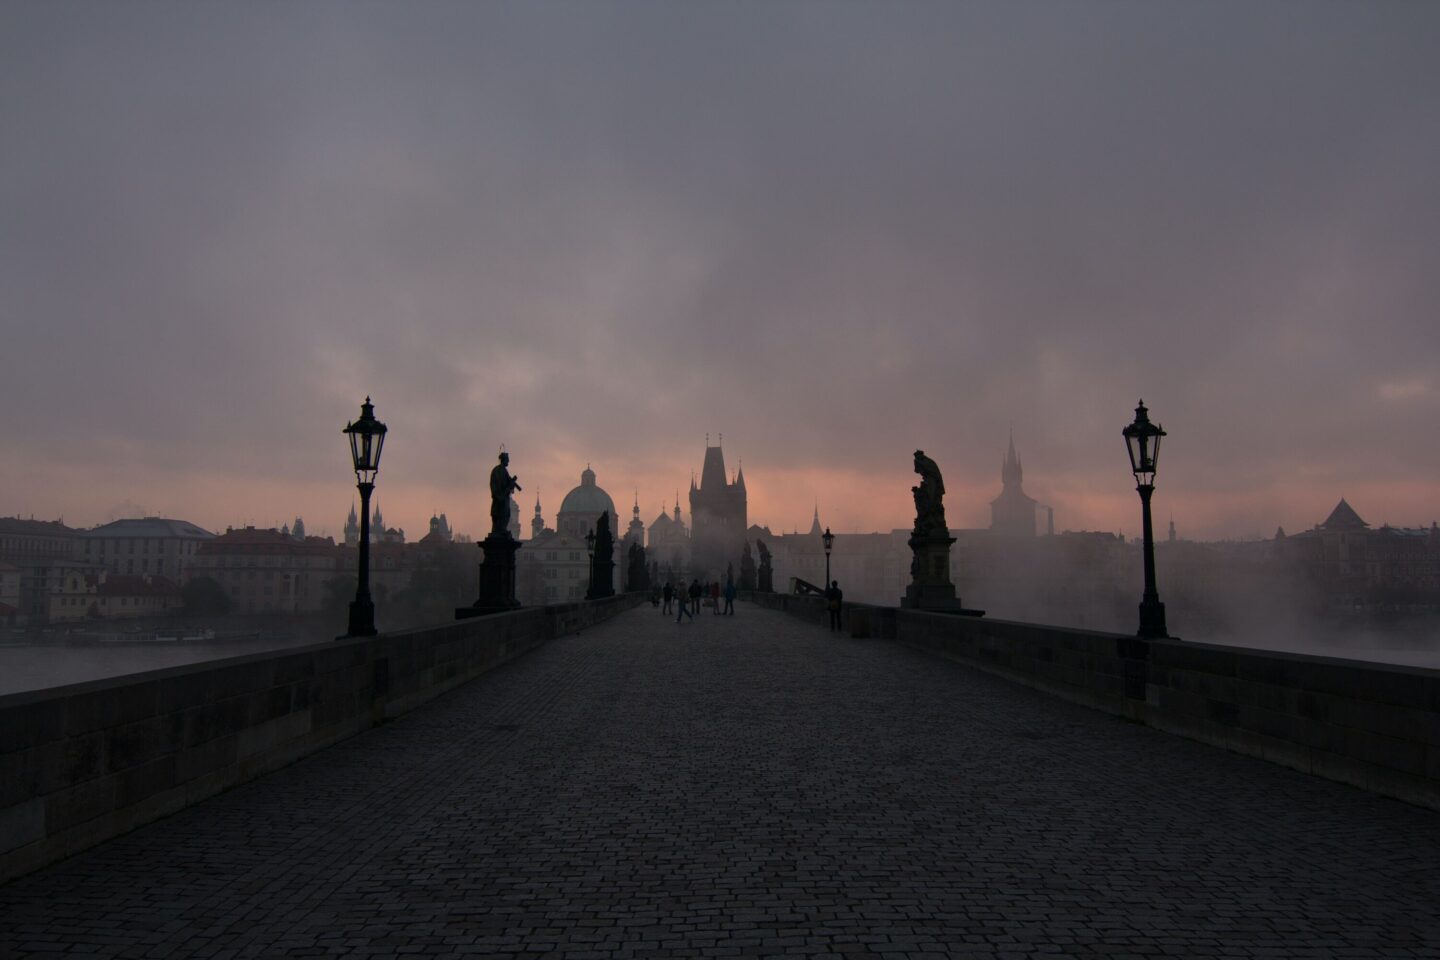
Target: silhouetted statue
[[930, 542], [602, 567], [747, 568], [497, 569], [767, 573], [637, 574], [501, 486], [929, 499]]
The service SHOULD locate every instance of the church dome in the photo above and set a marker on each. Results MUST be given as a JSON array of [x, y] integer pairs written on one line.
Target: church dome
[[588, 498]]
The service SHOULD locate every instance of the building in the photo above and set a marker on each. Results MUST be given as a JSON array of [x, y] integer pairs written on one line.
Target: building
[[265, 571], [1347, 564], [9, 594], [718, 517], [552, 568], [152, 545], [1012, 514], [582, 506], [352, 527], [43, 551], [107, 596], [669, 545]]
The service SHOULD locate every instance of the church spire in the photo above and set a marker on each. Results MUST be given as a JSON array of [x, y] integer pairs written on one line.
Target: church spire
[[1010, 470]]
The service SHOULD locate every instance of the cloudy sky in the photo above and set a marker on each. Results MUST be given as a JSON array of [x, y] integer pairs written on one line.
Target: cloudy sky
[[833, 232]]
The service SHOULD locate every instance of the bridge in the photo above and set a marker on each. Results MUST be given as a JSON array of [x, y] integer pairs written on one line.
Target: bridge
[[613, 784]]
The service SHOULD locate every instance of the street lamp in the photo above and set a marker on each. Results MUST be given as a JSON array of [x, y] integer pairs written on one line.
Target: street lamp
[[590, 551], [367, 436], [829, 539], [1142, 438]]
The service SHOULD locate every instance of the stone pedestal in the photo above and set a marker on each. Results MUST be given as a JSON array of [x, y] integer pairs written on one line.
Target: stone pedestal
[[930, 586], [602, 580], [497, 578]]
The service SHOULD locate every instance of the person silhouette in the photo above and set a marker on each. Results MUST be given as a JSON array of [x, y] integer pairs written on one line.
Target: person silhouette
[[683, 609], [833, 597]]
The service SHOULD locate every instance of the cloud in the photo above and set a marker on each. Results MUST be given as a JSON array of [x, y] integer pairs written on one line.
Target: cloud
[[832, 232]]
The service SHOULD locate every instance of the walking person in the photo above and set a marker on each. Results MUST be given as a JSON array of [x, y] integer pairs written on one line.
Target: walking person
[[833, 596], [682, 610], [669, 595], [715, 596], [695, 590], [730, 598]]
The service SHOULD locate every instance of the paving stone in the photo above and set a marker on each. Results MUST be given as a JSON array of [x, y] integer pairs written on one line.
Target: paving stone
[[753, 786]]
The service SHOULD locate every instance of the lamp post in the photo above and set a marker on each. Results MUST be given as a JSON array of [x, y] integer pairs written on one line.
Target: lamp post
[[829, 539], [367, 436], [590, 551], [1142, 438]]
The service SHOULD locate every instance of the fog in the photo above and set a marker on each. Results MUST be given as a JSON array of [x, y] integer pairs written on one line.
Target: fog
[[832, 232]]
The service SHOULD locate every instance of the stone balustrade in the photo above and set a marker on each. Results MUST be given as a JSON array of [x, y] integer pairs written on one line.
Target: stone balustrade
[[88, 761], [1372, 725]]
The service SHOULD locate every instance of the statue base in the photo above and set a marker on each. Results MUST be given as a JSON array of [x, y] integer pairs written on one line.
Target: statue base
[[602, 580], [497, 578], [930, 586]]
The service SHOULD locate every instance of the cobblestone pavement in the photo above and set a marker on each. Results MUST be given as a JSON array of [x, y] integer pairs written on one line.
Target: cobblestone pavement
[[751, 786]]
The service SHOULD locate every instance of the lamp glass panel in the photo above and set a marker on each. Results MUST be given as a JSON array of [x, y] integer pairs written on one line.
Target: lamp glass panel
[[1132, 444]]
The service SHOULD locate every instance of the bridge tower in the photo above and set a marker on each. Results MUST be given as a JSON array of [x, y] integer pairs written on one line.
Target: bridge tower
[[718, 516]]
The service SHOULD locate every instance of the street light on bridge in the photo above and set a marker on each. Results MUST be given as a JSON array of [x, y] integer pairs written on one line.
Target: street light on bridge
[[829, 539], [1142, 438], [367, 437]]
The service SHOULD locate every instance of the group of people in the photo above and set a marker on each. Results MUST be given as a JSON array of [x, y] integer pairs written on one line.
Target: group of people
[[688, 598]]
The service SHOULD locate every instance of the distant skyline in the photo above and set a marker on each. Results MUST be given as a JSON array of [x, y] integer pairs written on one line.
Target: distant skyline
[[833, 232]]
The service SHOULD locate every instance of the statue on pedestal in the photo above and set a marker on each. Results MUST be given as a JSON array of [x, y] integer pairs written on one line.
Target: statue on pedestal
[[930, 586], [767, 573], [747, 568], [497, 569], [929, 499], [502, 485], [636, 572], [602, 565]]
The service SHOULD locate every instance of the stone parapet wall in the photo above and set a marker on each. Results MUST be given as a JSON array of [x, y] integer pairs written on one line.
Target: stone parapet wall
[[85, 762], [1372, 725]]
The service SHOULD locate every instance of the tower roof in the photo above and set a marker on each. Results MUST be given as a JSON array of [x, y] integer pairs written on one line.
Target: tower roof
[[587, 498], [712, 474], [1344, 517]]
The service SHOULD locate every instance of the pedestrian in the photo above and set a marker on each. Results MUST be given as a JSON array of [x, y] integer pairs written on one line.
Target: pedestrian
[[669, 594], [695, 590], [730, 598], [833, 597], [715, 596], [682, 610]]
